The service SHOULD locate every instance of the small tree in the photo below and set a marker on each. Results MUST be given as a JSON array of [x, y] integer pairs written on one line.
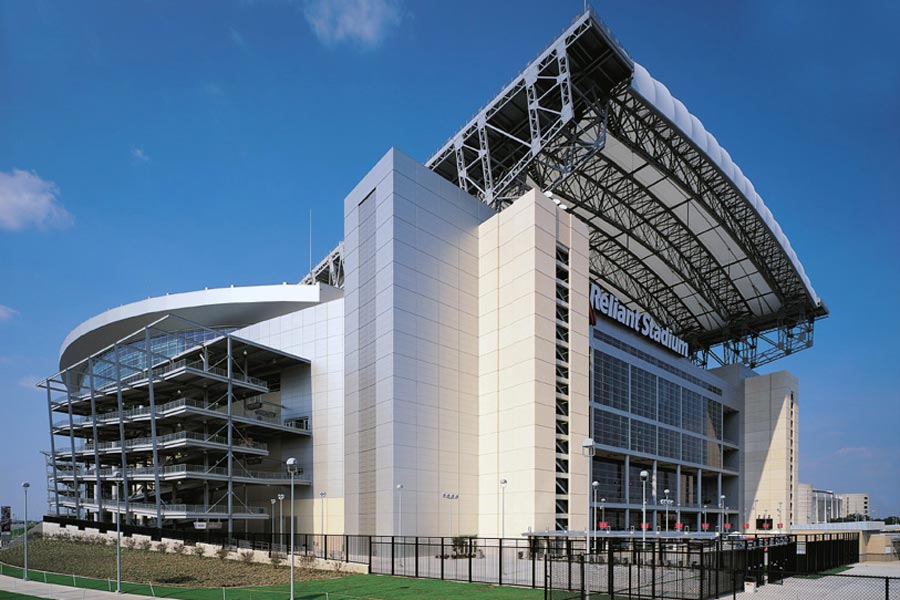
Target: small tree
[[222, 552], [246, 556], [198, 550], [276, 560]]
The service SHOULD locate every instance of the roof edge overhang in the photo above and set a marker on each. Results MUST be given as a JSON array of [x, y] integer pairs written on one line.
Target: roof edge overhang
[[213, 308]]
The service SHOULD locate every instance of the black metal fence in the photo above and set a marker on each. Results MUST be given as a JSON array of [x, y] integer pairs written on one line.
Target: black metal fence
[[664, 567], [693, 569]]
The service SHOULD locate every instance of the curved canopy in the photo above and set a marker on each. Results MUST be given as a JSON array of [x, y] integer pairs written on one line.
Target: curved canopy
[[676, 227]]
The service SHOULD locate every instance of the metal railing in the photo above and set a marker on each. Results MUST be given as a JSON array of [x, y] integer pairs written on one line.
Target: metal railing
[[162, 409], [160, 371], [179, 469], [182, 436], [110, 504]]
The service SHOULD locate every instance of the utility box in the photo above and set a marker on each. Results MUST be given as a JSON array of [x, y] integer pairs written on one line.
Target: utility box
[[750, 586]]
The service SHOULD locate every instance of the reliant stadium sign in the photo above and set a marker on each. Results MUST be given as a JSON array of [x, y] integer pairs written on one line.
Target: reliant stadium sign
[[609, 306]]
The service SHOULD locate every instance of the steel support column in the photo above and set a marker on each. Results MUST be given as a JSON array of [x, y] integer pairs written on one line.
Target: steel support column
[[230, 439], [65, 379], [96, 438], [52, 448], [152, 399], [121, 412]]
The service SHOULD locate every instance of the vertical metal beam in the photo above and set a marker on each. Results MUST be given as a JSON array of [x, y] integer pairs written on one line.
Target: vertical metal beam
[[121, 430], [99, 493], [72, 444], [52, 448], [230, 439], [149, 361]]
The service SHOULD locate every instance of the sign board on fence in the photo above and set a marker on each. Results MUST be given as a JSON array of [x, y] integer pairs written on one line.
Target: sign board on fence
[[200, 524]]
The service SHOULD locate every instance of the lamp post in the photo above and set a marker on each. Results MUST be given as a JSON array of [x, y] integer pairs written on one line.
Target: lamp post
[[116, 475], [781, 521], [603, 512], [703, 520], [644, 476], [292, 469], [451, 496], [587, 448], [503, 483], [322, 495], [722, 511], [595, 486], [667, 502], [25, 487], [280, 519], [273, 524], [400, 509]]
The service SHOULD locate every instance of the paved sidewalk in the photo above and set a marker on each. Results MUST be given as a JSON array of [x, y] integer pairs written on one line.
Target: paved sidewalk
[[59, 592]]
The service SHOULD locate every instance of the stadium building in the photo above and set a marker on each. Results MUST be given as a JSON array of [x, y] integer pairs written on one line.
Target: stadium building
[[566, 303]]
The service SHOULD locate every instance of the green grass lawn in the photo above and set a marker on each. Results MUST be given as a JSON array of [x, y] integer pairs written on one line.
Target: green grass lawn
[[185, 577], [14, 596], [349, 587]]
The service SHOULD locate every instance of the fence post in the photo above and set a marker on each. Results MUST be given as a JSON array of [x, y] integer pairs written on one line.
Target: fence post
[[393, 560], [702, 574], [417, 555], [531, 551], [583, 578], [887, 588], [346, 548], [610, 573], [653, 569], [370, 554], [500, 562], [443, 557], [470, 559]]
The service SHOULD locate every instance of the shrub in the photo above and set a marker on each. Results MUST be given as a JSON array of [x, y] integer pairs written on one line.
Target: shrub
[[246, 556], [129, 543], [178, 549], [198, 551], [162, 547], [222, 552], [276, 560], [144, 545]]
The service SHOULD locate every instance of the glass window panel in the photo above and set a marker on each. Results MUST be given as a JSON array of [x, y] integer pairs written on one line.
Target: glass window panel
[[610, 381], [669, 403], [643, 437], [643, 393], [610, 429]]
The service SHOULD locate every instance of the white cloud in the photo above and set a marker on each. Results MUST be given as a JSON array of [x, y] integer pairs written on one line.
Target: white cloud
[[363, 21], [139, 154], [236, 38], [29, 381], [7, 313], [26, 200], [213, 89]]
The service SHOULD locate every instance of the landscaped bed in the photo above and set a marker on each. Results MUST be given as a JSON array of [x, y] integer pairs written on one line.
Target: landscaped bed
[[171, 568]]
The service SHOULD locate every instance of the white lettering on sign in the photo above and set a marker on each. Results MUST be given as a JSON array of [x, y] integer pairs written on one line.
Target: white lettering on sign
[[609, 306]]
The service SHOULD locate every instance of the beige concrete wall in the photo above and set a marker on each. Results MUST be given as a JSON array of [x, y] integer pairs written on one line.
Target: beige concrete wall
[[770, 457], [517, 357], [856, 504]]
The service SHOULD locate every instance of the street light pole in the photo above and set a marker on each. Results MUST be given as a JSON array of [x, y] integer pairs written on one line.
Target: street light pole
[[722, 510], [292, 469], [603, 512], [25, 487], [116, 475], [594, 487], [503, 483], [281, 519], [587, 448], [322, 495], [667, 502], [644, 476], [400, 510], [273, 525]]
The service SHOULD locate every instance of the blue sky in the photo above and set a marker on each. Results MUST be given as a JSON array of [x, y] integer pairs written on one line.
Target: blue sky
[[153, 147]]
